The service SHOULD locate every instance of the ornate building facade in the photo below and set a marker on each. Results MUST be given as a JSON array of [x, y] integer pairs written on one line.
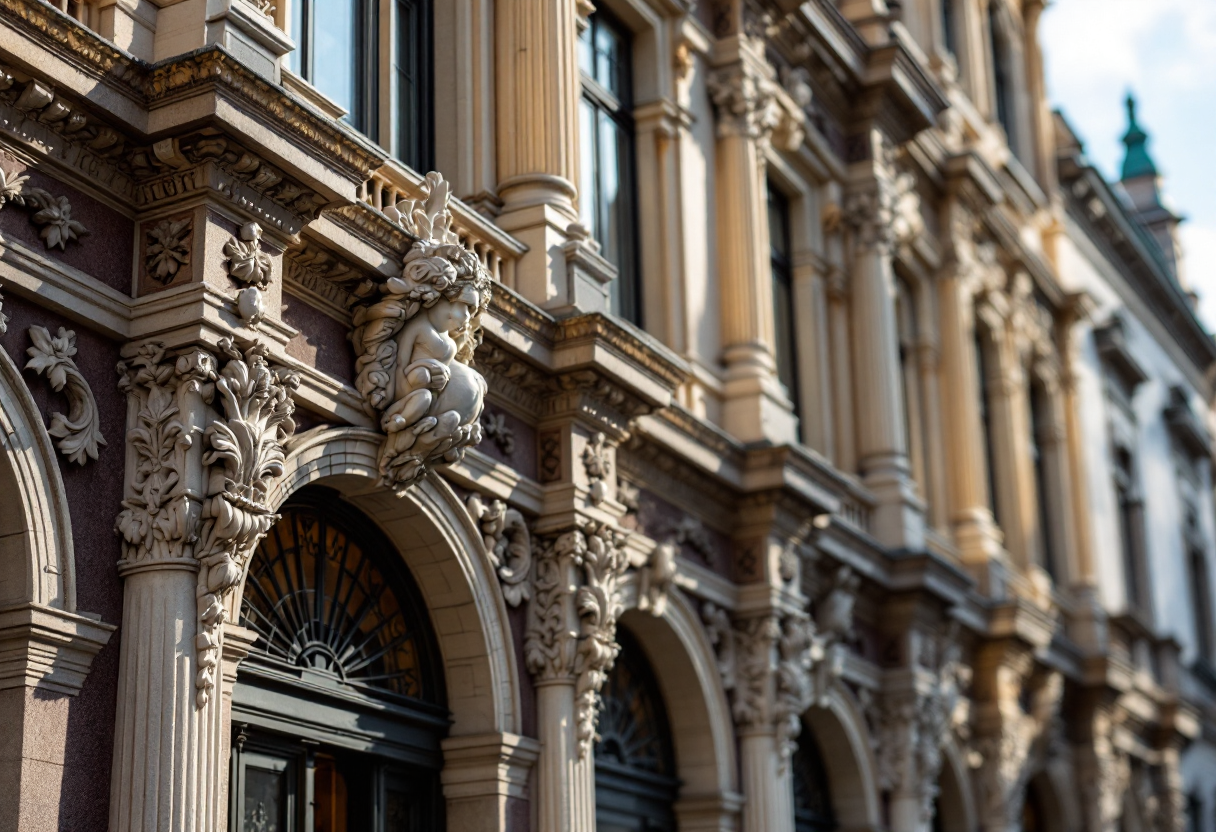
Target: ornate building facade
[[769, 421]]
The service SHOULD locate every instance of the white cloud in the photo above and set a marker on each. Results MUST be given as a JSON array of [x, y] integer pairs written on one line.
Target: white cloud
[[1165, 51]]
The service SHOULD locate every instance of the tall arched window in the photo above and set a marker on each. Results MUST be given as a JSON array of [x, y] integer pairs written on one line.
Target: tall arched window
[[813, 810], [608, 190], [338, 711], [635, 771], [1202, 612]]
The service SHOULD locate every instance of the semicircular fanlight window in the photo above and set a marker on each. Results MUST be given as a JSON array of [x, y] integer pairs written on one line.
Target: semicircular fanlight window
[[812, 792], [318, 598], [632, 725]]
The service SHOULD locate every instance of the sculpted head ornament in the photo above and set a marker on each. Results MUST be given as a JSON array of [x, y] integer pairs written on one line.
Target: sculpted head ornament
[[415, 339]]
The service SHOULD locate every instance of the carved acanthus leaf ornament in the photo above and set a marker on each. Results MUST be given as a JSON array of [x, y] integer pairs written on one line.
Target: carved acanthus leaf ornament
[[53, 214], [573, 614], [767, 664], [79, 432], [414, 339], [244, 454], [242, 409], [508, 545]]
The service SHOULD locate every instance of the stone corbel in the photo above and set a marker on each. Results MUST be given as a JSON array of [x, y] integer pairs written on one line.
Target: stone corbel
[[428, 406], [48, 648]]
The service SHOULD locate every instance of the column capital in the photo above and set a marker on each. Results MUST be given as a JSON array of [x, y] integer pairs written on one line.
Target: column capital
[[768, 662], [749, 101], [576, 600]]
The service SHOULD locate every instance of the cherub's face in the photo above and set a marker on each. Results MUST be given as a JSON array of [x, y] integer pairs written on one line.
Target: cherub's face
[[448, 315]]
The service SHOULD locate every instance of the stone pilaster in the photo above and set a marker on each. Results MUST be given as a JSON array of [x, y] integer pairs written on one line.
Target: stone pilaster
[[204, 441], [876, 209], [751, 114]]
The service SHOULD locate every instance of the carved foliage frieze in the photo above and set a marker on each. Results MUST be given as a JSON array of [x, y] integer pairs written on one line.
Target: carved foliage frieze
[[414, 340], [249, 266], [79, 432]]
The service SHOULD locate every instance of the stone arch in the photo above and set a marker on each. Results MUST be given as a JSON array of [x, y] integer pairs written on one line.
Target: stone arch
[[1051, 788], [49, 646], [702, 730], [838, 724], [36, 563], [955, 802], [436, 538]]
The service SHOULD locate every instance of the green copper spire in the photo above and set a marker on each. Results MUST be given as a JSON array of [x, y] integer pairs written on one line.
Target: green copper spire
[[1137, 162]]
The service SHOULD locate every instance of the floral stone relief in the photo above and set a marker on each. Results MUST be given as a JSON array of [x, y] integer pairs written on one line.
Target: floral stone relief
[[53, 214], [414, 338], [78, 432]]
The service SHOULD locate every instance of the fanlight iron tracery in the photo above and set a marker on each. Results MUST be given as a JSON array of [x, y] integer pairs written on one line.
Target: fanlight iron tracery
[[635, 780], [812, 791], [325, 594]]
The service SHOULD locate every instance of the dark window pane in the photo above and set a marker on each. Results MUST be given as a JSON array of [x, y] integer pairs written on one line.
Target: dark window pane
[[413, 78], [606, 187], [786, 345], [265, 800]]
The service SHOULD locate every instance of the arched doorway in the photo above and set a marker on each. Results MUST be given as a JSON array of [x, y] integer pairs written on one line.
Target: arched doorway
[[338, 712], [813, 810], [635, 767]]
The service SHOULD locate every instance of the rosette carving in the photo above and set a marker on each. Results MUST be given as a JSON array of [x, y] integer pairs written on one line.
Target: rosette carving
[[414, 338]]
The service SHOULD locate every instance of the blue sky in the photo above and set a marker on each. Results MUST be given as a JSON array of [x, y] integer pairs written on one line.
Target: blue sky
[[1164, 51]]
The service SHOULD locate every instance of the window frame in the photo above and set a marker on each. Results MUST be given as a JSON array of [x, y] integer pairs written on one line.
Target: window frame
[[618, 109], [376, 111], [781, 267]]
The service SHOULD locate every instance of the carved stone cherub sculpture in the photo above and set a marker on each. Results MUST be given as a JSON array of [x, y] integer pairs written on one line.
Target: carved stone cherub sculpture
[[415, 342]]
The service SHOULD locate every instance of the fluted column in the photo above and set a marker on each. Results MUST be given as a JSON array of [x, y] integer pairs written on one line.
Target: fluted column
[[748, 113], [873, 211], [769, 660], [569, 648], [537, 106], [975, 532], [204, 440]]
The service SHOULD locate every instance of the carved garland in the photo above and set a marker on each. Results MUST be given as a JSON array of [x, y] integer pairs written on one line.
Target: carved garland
[[78, 433], [414, 336], [508, 545]]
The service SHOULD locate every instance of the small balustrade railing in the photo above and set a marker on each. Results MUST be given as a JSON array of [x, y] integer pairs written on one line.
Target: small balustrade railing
[[497, 250]]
